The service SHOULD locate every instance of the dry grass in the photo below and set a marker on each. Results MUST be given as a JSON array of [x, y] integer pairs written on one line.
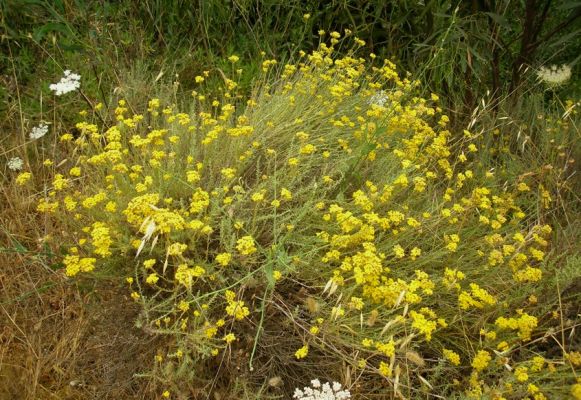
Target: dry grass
[[62, 341]]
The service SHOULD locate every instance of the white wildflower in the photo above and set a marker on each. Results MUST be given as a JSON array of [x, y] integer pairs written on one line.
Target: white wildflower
[[379, 98], [326, 391], [555, 75], [39, 131], [68, 83], [15, 164]]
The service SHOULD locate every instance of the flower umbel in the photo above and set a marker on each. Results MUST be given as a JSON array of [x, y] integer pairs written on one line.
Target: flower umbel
[[39, 131], [15, 164], [325, 391], [68, 83], [555, 75]]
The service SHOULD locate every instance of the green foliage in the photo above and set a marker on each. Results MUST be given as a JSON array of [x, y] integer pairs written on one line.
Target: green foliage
[[482, 43]]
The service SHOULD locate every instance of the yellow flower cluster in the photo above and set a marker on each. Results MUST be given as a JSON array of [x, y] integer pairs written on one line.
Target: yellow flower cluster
[[185, 275], [235, 308], [23, 177], [302, 352], [481, 360], [101, 239], [477, 297], [245, 245], [451, 356], [524, 324]]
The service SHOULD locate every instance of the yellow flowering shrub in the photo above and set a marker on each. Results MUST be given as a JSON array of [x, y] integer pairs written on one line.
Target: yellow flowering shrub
[[332, 215]]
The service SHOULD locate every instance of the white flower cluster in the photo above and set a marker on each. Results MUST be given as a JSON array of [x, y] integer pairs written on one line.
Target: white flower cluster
[[555, 75], [379, 98], [68, 83], [326, 391], [39, 131], [15, 164]]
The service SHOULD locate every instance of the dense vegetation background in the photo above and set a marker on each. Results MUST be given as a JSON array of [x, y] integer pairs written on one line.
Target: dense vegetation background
[[68, 338], [463, 49]]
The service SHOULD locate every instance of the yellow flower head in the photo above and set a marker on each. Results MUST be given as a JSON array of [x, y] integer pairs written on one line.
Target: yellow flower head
[[302, 352], [245, 245]]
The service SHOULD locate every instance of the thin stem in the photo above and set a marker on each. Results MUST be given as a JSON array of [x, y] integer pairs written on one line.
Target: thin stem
[[19, 102]]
